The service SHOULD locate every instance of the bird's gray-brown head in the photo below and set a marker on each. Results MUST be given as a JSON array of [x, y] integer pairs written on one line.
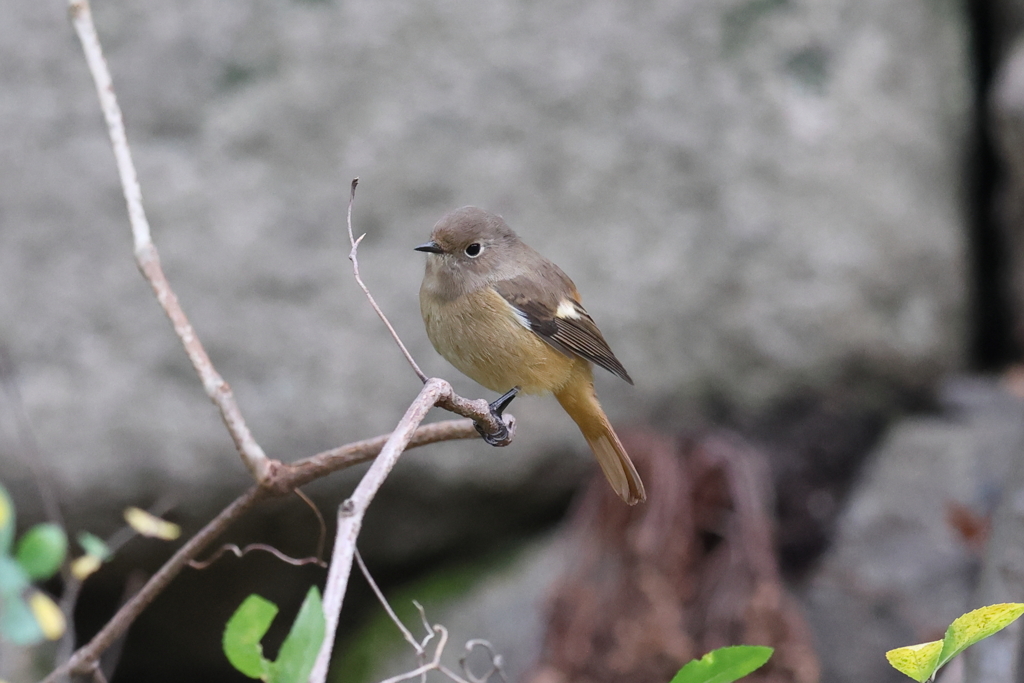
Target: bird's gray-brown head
[[469, 247]]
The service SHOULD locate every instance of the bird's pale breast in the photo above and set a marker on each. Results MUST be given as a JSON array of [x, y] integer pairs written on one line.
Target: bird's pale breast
[[480, 335]]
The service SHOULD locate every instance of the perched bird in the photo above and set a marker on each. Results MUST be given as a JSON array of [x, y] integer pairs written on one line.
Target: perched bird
[[510, 319]]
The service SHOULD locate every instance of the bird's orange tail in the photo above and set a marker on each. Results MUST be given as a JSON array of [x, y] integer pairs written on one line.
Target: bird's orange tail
[[579, 399]]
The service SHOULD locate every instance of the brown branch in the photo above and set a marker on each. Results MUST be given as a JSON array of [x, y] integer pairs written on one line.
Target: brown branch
[[352, 510], [436, 392], [282, 480], [146, 254], [355, 271], [321, 464]]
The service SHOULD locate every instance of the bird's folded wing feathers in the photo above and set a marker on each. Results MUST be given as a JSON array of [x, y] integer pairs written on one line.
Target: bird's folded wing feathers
[[557, 317]]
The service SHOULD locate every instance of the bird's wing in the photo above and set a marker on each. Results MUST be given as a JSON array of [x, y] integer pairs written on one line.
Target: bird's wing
[[550, 307]]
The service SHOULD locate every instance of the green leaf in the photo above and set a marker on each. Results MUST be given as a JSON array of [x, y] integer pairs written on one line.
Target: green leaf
[[17, 623], [41, 551], [6, 521], [93, 545], [724, 665], [299, 649], [920, 662], [243, 633]]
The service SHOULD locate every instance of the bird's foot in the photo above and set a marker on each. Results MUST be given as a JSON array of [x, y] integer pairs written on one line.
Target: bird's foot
[[502, 437]]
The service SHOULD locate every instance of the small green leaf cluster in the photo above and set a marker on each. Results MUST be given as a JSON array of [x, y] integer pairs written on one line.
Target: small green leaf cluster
[[27, 615], [248, 625]]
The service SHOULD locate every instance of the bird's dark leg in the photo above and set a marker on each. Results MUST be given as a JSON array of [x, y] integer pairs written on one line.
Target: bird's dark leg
[[497, 407]]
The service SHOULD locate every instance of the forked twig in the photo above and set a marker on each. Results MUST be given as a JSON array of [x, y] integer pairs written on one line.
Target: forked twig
[[433, 665], [497, 662], [352, 256]]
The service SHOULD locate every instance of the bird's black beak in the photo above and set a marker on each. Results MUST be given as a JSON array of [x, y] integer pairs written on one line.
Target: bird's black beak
[[431, 247]]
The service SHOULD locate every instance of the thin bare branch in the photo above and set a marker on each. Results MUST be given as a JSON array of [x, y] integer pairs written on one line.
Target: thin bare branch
[[29, 452], [423, 620], [146, 255], [351, 512], [239, 552], [434, 665], [321, 537], [316, 466], [427, 638], [429, 666], [451, 674], [386, 605], [497, 661], [352, 256]]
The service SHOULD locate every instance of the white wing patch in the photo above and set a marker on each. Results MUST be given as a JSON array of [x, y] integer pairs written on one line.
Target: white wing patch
[[567, 310], [521, 317]]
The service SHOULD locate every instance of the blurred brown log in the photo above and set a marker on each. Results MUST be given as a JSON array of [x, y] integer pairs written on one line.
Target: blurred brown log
[[655, 585]]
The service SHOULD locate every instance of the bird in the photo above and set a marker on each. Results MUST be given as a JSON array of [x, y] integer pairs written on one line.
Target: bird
[[511, 320]]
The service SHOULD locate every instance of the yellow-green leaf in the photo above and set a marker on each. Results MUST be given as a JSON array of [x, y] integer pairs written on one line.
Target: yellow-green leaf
[[917, 661], [82, 567], [6, 521], [978, 625], [48, 615], [151, 525]]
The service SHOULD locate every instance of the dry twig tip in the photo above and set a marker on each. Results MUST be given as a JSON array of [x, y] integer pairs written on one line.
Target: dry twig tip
[[352, 255]]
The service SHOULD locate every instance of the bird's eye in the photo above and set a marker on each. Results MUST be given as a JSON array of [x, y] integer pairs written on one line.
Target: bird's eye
[[474, 250]]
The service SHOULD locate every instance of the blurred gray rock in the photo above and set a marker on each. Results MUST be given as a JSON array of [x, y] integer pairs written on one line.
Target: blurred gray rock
[[900, 571], [753, 196]]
